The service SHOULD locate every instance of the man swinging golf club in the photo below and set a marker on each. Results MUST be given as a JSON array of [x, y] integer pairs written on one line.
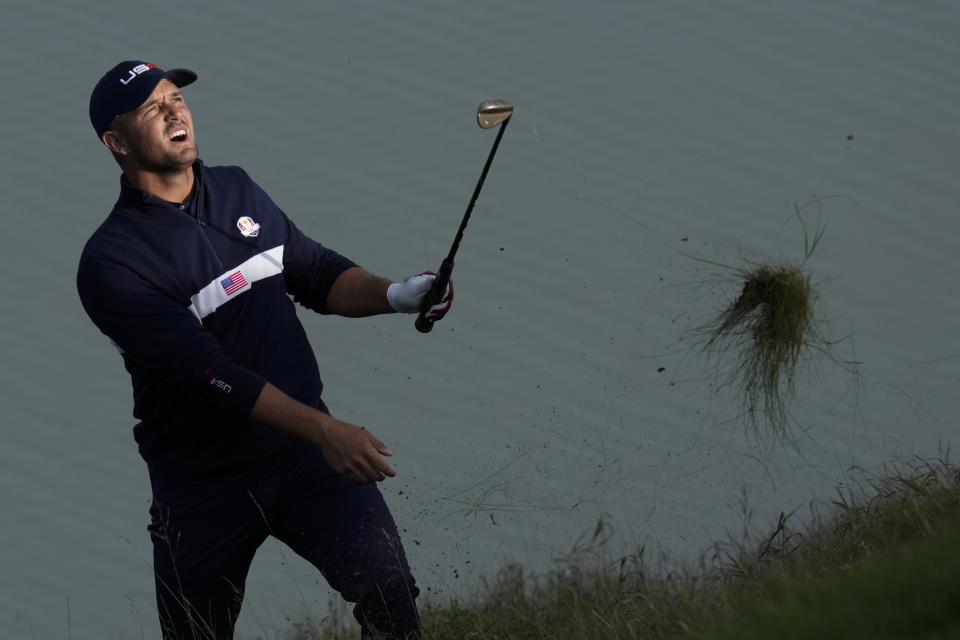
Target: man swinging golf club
[[190, 277]]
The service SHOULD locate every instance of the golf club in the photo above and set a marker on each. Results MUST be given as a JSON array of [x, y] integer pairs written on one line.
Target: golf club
[[490, 113]]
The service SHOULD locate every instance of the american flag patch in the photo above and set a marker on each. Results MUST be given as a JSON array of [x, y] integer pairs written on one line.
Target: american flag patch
[[233, 283]]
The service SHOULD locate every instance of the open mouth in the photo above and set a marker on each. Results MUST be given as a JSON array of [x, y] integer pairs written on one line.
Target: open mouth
[[179, 135]]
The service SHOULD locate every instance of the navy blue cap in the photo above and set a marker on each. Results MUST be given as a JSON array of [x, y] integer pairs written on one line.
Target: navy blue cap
[[126, 87]]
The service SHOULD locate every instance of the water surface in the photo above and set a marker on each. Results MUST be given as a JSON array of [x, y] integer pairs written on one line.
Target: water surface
[[645, 137]]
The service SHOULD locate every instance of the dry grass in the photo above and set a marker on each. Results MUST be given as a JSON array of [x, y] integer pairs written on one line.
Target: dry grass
[[596, 595]]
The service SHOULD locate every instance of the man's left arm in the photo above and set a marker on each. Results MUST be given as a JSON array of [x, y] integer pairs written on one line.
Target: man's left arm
[[323, 280], [327, 282], [357, 293]]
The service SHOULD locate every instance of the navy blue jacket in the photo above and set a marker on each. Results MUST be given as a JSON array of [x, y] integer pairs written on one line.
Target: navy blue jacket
[[197, 299]]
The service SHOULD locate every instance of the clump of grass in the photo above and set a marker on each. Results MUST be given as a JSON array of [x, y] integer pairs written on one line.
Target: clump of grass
[[767, 328]]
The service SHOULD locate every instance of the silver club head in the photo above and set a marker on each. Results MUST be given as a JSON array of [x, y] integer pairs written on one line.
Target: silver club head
[[490, 113]]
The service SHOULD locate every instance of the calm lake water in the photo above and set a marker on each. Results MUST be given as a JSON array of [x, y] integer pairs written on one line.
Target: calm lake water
[[649, 140]]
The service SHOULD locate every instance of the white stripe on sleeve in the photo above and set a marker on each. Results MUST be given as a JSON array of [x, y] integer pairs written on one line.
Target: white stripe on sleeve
[[214, 295]]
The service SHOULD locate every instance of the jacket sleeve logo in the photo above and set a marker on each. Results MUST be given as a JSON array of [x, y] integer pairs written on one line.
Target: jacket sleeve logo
[[248, 227]]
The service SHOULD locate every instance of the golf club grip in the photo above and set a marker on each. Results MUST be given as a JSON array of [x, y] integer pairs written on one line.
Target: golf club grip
[[435, 295]]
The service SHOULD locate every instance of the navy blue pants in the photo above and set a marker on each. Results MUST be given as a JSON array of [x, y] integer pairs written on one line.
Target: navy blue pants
[[205, 534]]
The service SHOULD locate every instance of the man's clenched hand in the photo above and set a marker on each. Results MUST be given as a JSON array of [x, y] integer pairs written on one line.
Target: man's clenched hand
[[351, 451], [354, 452]]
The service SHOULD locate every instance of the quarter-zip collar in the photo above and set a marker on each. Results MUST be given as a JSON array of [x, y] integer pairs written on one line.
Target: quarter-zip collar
[[134, 201]]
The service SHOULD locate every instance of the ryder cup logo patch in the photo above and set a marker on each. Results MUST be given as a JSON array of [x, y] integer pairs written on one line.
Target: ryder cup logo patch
[[248, 227]]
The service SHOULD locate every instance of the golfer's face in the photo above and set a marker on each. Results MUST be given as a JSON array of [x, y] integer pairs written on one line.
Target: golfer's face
[[160, 131]]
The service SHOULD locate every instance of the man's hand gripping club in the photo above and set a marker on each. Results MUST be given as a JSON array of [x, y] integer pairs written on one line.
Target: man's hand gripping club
[[407, 296]]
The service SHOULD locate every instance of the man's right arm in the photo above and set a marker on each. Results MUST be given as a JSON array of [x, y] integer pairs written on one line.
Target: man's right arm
[[150, 327], [160, 334], [351, 450]]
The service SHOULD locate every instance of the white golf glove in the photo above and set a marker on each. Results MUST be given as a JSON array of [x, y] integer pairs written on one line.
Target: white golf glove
[[407, 296]]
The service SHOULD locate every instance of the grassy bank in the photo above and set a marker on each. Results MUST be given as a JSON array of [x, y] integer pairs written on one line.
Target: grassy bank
[[883, 564]]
